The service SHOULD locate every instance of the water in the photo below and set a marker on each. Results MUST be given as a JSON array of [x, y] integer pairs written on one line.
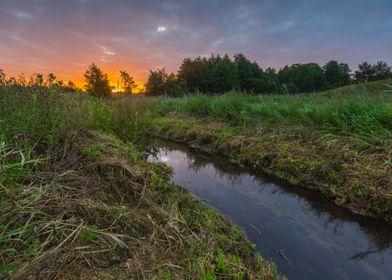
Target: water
[[305, 235]]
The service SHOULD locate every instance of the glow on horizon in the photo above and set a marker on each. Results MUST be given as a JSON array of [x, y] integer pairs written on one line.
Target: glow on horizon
[[78, 77]]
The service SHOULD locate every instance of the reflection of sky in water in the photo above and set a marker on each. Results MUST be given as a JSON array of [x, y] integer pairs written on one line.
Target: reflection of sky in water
[[318, 242]]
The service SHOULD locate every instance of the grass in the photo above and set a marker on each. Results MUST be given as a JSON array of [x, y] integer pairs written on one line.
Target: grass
[[366, 116], [78, 200], [338, 142]]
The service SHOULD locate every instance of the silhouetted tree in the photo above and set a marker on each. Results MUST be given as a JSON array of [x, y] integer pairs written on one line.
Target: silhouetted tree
[[12, 81], [173, 87], [160, 83], [21, 81], [155, 82], [71, 85], [128, 83], [36, 80], [2, 78], [50, 79], [196, 73], [97, 82]]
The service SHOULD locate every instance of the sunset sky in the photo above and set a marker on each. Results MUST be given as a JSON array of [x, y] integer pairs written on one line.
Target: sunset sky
[[64, 37]]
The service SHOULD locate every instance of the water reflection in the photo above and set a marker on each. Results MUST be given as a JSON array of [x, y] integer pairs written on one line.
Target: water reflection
[[307, 236]]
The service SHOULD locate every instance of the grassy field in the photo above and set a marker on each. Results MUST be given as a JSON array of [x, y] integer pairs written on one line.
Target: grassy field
[[338, 142], [79, 201]]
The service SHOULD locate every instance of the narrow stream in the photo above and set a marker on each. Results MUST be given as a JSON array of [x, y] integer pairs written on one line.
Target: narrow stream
[[305, 235]]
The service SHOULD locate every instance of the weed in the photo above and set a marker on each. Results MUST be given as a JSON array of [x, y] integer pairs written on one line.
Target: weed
[[220, 265]]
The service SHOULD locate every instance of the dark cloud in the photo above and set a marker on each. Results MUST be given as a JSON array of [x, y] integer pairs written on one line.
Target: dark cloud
[[65, 36]]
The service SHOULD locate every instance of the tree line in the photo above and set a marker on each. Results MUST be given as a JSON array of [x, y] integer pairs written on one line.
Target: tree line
[[96, 82], [218, 74], [36, 80]]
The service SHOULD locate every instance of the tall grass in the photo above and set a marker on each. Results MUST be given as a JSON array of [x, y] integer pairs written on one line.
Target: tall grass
[[48, 116], [368, 116], [78, 203]]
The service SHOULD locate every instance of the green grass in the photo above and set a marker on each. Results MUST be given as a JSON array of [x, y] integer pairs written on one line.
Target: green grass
[[338, 142], [366, 116], [79, 201], [77, 194]]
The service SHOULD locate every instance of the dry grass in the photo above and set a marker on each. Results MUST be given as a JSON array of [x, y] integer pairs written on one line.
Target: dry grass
[[96, 210]]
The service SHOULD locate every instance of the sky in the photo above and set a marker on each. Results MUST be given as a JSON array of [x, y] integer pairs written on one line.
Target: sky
[[65, 36]]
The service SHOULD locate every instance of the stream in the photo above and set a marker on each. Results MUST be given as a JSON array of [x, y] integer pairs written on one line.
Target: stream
[[307, 236]]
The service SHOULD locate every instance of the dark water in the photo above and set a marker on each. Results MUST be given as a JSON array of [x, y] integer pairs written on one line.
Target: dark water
[[305, 235]]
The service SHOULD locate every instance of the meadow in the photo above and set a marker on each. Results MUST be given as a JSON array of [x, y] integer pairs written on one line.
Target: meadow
[[337, 142], [79, 200]]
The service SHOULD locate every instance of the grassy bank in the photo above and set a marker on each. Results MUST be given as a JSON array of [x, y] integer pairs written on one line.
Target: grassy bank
[[337, 142], [78, 199]]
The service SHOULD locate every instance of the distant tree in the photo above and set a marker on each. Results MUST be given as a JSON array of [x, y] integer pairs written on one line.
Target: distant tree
[[217, 74], [268, 83], [382, 71], [36, 80], [336, 74], [97, 82], [2, 78], [174, 87], [224, 76], [128, 83], [160, 83], [50, 79], [249, 74], [303, 78], [311, 78], [287, 78], [196, 73], [12, 81], [345, 73], [156, 81], [21, 81], [71, 85], [365, 72]]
